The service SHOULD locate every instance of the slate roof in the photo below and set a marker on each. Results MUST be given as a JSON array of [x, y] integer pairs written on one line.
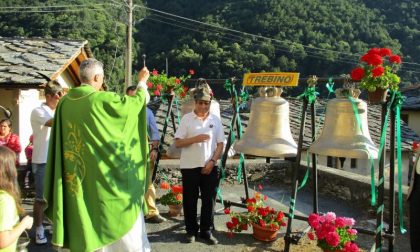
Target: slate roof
[[295, 106], [20, 59], [412, 94]]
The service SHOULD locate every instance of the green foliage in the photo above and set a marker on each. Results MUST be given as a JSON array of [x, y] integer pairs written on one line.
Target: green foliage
[[322, 37]]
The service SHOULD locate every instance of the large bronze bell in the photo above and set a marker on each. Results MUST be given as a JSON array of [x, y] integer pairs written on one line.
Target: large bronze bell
[[268, 132], [341, 135], [187, 106]]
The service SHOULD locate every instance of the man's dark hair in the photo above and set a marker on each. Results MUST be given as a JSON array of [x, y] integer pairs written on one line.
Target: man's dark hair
[[52, 88], [130, 88]]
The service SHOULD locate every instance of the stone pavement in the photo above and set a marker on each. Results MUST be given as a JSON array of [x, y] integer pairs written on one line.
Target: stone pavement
[[169, 235]]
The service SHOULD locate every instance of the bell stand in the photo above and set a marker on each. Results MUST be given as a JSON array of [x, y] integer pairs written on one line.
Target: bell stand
[[234, 123], [380, 232], [170, 113], [289, 238]]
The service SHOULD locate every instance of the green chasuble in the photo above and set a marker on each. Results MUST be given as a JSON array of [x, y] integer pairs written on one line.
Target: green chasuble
[[97, 167]]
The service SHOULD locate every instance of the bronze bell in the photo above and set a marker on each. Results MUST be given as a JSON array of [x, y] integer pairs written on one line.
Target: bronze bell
[[187, 106], [268, 132], [341, 135]]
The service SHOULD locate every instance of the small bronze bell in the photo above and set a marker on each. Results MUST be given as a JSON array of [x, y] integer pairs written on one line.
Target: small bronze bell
[[268, 133], [341, 135]]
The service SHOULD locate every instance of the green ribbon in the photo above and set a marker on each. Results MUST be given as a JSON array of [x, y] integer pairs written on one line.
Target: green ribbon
[[222, 179], [310, 94], [330, 87], [399, 99], [305, 178], [372, 163], [177, 110]]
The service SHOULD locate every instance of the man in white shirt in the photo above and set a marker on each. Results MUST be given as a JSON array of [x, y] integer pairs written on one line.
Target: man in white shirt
[[414, 198], [41, 122], [201, 138]]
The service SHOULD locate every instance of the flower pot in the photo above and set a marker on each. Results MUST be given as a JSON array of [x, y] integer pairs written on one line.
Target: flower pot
[[378, 96], [175, 210], [263, 234]]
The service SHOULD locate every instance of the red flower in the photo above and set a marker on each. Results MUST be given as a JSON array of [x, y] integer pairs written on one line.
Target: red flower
[[395, 59], [333, 239], [155, 72], [385, 52], [156, 92], [351, 247], [262, 223], [372, 59], [230, 225], [177, 81], [159, 87], [178, 197], [191, 71], [280, 216], [164, 185], [265, 197], [378, 71], [374, 51], [149, 85], [227, 210], [313, 220], [235, 221], [176, 189], [250, 208], [357, 74]]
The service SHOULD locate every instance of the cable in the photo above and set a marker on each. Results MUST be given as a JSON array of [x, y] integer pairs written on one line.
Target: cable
[[258, 36]]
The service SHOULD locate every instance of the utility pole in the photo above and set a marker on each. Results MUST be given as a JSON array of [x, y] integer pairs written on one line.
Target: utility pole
[[128, 53]]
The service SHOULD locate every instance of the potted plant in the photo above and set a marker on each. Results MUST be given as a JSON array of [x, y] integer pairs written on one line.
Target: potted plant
[[377, 73], [333, 234], [159, 84], [172, 199], [265, 221]]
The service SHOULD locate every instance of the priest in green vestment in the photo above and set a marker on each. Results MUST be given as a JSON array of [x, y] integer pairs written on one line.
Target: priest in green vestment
[[96, 172]]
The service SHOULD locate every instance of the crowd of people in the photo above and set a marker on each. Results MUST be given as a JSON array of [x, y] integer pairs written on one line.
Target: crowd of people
[[93, 169]]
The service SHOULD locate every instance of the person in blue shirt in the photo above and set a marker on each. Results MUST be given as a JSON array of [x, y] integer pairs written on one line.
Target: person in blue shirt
[[153, 215]]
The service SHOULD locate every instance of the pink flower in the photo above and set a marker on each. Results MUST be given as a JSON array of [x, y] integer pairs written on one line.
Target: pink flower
[[313, 220], [340, 222], [330, 217], [260, 187], [333, 239], [311, 236], [349, 221], [149, 85], [351, 231], [395, 59], [191, 71], [155, 72], [351, 247]]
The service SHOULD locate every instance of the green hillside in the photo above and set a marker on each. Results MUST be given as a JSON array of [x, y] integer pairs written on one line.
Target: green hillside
[[221, 39]]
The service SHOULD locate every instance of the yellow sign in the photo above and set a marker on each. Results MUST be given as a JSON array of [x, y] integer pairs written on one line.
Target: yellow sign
[[271, 79]]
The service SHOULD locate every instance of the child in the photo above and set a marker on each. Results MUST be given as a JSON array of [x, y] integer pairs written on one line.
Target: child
[[10, 207]]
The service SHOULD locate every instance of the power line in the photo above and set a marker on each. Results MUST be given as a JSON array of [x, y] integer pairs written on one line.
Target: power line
[[53, 6], [312, 54], [259, 36]]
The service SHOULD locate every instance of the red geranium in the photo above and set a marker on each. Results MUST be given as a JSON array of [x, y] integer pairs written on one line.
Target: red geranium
[[257, 213], [357, 74], [378, 70], [160, 83], [173, 196], [333, 233]]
